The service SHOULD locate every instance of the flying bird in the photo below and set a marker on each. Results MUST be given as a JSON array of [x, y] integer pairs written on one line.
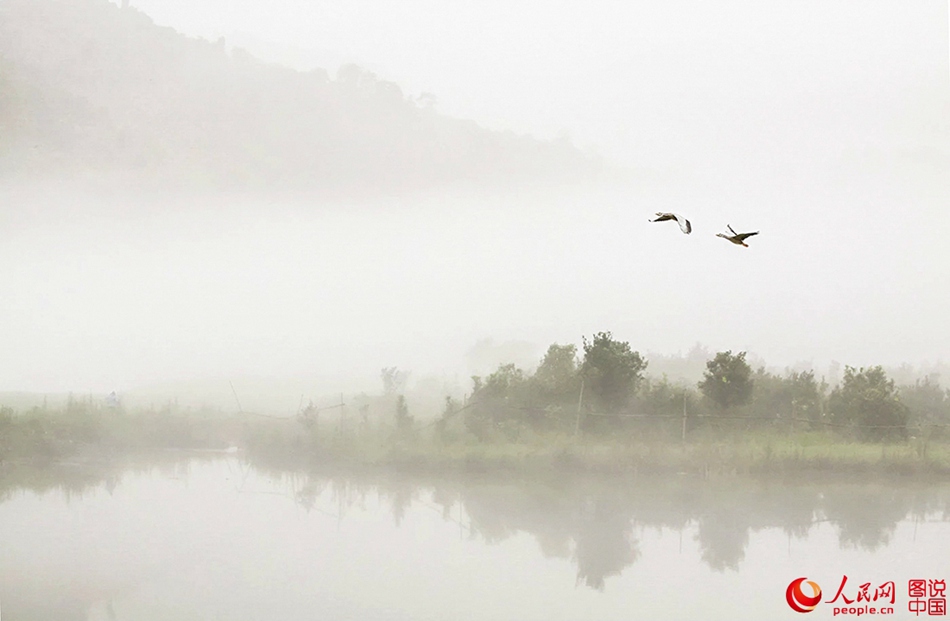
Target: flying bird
[[685, 226], [736, 238]]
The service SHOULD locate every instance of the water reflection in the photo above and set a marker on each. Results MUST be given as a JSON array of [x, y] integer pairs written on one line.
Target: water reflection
[[599, 519], [593, 522], [601, 527]]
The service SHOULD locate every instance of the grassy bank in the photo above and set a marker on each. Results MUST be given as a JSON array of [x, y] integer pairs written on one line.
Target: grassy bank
[[82, 433], [710, 454]]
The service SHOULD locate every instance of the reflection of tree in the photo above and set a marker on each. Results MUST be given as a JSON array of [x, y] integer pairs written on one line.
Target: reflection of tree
[[554, 544], [796, 506], [557, 515], [597, 516], [400, 498], [499, 511], [925, 503], [723, 536], [585, 519], [866, 517], [604, 543], [306, 496], [729, 512]]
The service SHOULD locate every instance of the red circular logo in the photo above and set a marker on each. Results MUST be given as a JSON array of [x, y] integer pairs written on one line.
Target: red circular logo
[[797, 599]]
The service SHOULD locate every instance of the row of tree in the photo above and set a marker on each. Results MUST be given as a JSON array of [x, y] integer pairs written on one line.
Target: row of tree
[[604, 389]]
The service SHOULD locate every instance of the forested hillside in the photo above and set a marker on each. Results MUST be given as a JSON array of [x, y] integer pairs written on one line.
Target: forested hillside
[[90, 88]]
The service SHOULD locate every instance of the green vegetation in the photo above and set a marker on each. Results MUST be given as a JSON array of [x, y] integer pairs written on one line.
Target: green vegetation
[[727, 381], [595, 411], [85, 430], [612, 370], [869, 401]]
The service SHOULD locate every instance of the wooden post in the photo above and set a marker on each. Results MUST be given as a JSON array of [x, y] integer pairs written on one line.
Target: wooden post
[[580, 401], [234, 392], [684, 416], [342, 416]]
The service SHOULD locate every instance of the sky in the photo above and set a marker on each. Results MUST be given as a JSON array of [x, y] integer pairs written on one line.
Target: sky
[[825, 125], [633, 80]]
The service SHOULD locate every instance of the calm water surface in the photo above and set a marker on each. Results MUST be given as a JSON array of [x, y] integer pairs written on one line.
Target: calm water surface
[[224, 540]]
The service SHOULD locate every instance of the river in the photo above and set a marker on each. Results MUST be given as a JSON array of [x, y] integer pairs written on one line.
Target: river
[[224, 539]]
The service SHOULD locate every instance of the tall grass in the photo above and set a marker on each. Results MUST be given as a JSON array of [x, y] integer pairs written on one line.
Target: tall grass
[[87, 431]]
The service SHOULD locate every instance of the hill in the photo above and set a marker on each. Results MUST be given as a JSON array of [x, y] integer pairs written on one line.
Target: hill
[[88, 88]]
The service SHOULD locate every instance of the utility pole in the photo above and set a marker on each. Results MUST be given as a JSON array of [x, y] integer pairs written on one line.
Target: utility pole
[[234, 392], [580, 400], [684, 417]]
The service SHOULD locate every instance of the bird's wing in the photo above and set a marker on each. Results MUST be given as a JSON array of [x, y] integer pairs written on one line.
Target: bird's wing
[[745, 235], [685, 226], [661, 216], [730, 229]]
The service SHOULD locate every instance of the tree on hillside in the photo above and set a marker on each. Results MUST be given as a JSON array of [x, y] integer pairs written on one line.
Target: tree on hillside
[[728, 380], [148, 102], [612, 372], [868, 399]]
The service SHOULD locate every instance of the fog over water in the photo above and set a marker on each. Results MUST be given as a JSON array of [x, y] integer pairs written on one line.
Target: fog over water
[[260, 263], [226, 539], [823, 125]]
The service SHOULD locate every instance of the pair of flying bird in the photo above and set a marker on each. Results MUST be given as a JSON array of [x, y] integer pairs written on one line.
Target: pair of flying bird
[[736, 238]]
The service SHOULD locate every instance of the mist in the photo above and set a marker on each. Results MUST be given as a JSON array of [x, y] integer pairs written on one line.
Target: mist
[[823, 125], [681, 83], [361, 308]]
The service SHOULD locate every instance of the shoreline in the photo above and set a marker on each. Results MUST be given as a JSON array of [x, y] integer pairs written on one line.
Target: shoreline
[[703, 461]]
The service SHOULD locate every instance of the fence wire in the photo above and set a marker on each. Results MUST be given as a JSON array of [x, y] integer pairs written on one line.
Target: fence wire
[[706, 417]]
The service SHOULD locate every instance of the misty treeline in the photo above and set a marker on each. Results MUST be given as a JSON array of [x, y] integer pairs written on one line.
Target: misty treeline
[[605, 389], [86, 427], [600, 394], [89, 88]]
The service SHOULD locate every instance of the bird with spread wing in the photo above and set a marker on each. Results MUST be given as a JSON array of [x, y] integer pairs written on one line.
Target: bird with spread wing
[[736, 238], [685, 226]]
